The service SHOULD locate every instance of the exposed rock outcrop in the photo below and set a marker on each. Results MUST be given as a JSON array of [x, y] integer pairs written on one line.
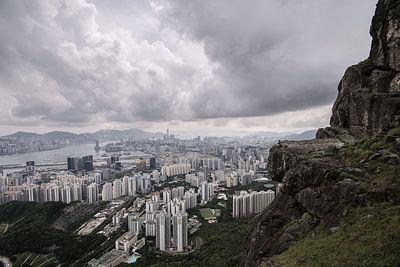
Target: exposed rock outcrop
[[319, 187], [369, 93], [316, 192]]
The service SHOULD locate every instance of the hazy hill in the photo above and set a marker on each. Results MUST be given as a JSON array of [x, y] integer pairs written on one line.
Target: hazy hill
[[307, 135], [105, 135]]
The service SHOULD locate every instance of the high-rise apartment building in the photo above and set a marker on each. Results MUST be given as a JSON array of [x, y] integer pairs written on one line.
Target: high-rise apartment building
[[92, 193], [163, 231], [134, 224], [180, 231], [245, 204], [107, 193], [117, 189]]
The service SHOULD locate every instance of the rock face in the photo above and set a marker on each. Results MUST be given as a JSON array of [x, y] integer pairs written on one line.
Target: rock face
[[369, 93], [318, 187], [315, 192], [385, 32]]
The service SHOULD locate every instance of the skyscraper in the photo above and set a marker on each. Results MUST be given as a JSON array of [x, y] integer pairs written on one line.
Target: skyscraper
[[107, 193], [92, 193], [134, 224], [87, 163], [180, 231], [163, 231], [204, 192], [132, 186], [30, 167], [117, 188], [207, 191], [75, 164], [152, 163], [125, 186], [97, 178]]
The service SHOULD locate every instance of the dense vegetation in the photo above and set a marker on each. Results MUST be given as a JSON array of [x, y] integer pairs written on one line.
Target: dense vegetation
[[222, 245], [30, 231]]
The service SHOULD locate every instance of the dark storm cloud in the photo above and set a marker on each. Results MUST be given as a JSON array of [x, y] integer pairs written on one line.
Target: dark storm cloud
[[84, 61], [272, 56]]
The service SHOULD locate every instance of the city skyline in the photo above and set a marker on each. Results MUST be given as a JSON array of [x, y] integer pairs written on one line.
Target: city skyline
[[92, 65]]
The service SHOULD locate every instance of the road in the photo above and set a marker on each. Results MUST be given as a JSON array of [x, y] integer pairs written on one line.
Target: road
[[6, 262]]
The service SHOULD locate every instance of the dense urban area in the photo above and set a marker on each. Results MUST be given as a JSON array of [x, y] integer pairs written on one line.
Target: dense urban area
[[177, 201]]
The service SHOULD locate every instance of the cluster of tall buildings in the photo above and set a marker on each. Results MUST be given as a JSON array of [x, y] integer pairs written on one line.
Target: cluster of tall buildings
[[186, 165], [212, 163], [128, 185], [250, 164], [247, 204], [195, 180], [232, 180], [76, 164], [235, 179], [69, 188], [171, 231], [190, 199], [166, 217], [176, 169], [64, 187], [21, 145]]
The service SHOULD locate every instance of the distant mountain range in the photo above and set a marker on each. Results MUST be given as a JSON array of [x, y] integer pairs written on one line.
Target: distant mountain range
[[103, 135], [307, 135], [133, 134]]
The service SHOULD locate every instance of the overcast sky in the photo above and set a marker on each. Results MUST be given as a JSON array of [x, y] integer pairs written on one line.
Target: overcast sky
[[195, 67]]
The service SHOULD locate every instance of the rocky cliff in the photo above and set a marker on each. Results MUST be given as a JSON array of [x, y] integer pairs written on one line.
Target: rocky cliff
[[369, 93], [325, 178]]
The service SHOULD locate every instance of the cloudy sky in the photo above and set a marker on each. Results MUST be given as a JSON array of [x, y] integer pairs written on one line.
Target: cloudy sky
[[195, 67]]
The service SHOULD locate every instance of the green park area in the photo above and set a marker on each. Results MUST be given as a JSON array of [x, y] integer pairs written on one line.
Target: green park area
[[207, 214]]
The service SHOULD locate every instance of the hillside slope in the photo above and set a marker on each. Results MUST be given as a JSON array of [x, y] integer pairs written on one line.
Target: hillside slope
[[30, 230]]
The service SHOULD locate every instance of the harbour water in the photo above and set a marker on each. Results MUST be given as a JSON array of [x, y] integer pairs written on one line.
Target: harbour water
[[59, 157], [49, 156]]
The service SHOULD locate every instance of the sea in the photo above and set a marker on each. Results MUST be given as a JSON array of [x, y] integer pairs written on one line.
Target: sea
[[56, 156]]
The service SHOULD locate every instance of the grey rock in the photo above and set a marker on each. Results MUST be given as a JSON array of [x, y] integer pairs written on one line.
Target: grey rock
[[385, 29], [368, 102], [397, 143], [334, 229], [386, 157]]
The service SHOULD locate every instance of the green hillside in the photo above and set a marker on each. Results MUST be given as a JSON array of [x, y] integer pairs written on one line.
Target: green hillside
[[30, 231], [368, 236]]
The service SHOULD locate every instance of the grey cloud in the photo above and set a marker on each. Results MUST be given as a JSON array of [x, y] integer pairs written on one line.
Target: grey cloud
[[58, 66], [84, 62], [272, 56]]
